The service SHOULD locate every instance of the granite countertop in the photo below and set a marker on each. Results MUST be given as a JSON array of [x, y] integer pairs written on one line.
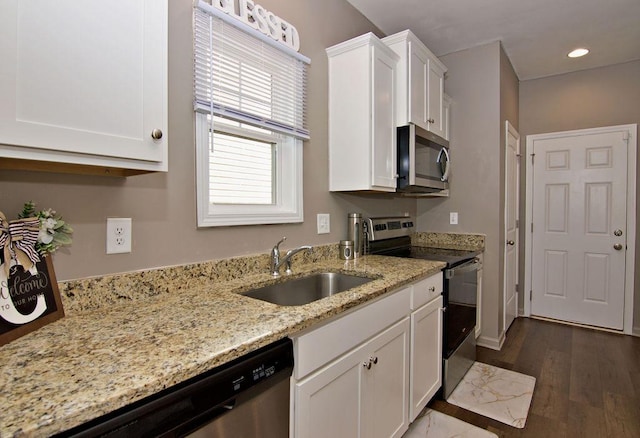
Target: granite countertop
[[104, 357]]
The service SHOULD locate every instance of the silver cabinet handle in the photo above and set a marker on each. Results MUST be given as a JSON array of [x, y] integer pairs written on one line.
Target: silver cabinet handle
[[431, 120], [617, 233], [511, 242], [372, 361], [156, 134], [617, 247], [432, 289]]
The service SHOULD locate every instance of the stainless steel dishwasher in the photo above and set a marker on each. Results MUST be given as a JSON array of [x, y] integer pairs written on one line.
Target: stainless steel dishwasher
[[248, 397]]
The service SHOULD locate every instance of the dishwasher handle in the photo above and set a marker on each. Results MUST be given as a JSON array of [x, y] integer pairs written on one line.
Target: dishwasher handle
[[472, 265]]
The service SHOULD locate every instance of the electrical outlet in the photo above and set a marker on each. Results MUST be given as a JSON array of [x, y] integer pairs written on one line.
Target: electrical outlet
[[118, 235], [324, 223], [453, 218]]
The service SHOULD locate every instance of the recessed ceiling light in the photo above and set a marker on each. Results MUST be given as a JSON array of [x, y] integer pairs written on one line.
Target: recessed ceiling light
[[577, 53]]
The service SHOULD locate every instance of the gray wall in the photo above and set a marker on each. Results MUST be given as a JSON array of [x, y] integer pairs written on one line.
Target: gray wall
[[163, 205], [473, 82], [598, 97]]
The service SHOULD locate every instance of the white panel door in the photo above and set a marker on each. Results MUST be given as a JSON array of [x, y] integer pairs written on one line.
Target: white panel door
[[328, 403], [384, 126], [84, 77], [418, 70], [435, 95], [511, 225], [385, 391], [579, 228], [426, 355]]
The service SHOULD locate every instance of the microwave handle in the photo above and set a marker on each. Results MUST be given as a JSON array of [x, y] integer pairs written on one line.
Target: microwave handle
[[445, 174]]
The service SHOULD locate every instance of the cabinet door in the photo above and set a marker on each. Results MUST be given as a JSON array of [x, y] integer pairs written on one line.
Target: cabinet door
[[328, 403], [446, 116], [435, 99], [418, 69], [426, 355], [383, 160], [85, 78], [385, 395]]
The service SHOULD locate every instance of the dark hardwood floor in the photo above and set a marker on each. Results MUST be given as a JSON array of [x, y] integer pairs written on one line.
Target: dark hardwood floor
[[587, 381]]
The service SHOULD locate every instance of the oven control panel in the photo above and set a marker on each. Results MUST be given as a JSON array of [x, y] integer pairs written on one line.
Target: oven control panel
[[379, 228]]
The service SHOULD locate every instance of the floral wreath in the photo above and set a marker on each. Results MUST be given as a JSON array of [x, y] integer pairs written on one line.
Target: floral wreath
[[33, 234]]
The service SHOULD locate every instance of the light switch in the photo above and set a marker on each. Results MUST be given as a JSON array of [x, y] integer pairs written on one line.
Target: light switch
[[453, 218]]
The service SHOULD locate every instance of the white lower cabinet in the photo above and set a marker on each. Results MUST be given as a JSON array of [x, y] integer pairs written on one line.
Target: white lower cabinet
[[362, 394], [370, 372], [426, 367]]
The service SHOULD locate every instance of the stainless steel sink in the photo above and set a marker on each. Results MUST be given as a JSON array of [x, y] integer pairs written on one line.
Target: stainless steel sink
[[307, 289]]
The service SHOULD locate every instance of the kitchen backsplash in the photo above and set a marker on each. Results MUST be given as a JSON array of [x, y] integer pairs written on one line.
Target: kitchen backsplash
[[449, 240], [95, 293], [99, 292]]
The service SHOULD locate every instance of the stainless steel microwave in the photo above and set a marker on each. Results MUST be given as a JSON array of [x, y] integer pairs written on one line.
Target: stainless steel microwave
[[423, 161]]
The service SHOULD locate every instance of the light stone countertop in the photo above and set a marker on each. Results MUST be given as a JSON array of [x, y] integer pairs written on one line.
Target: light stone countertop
[[94, 361]]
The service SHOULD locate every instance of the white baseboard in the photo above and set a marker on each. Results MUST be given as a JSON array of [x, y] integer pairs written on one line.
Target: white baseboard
[[492, 343]]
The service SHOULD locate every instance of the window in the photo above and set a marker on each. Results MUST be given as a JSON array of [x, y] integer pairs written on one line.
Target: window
[[249, 98]]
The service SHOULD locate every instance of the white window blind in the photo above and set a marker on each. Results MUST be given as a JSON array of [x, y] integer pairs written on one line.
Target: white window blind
[[244, 77], [241, 170]]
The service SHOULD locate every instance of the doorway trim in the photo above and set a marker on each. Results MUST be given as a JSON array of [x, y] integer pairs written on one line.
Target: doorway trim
[[510, 129], [632, 142]]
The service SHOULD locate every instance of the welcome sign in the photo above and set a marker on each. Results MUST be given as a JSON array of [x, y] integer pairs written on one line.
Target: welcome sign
[[28, 299]]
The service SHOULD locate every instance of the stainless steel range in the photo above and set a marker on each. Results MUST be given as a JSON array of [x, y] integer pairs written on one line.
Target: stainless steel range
[[391, 236]]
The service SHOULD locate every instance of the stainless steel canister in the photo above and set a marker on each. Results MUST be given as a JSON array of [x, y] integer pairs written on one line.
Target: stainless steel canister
[[346, 250], [354, 232]]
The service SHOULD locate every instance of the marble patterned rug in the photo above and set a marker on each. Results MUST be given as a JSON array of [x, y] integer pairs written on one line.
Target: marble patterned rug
[[496, 393], [433, 424]]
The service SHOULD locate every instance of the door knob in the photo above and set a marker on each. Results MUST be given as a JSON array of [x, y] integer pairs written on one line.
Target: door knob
[[617, 233], [511, 242], [156, 134], [617, 247]]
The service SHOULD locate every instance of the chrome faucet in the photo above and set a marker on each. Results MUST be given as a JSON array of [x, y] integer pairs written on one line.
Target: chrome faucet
[[276, 262]]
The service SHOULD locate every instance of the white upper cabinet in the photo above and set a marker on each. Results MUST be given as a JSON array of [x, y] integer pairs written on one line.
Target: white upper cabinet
[[420, 83], [446, 116], [362, 125], [84, 83]]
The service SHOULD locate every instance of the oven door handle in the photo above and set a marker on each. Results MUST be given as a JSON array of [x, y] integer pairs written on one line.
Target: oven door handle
[[470, 266]]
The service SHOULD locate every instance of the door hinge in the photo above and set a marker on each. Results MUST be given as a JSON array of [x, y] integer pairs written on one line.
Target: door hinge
[[517, 223], [532, 158], [532, 227], [517, 287], [531, 295]]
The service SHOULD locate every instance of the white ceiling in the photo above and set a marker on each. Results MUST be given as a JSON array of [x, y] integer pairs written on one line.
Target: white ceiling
[[535, 34]]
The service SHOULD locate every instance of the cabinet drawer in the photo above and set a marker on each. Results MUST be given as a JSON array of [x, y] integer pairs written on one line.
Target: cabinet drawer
[[426, 290], [318, 347]]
